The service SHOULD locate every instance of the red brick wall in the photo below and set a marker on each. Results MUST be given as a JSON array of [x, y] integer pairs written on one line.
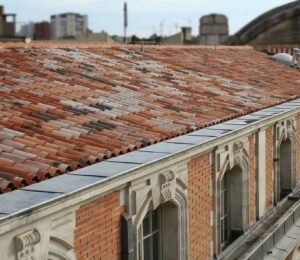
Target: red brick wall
[[298, 149], [98, 228], [200, 206], [269, 166], [252, 171]]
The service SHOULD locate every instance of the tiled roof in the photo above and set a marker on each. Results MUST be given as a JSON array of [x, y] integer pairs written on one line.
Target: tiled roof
[[66, 107]]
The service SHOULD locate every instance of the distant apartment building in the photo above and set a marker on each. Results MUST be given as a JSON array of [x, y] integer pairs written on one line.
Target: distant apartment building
[[7, 24], [27, 30], [42, 31], [68, 25]]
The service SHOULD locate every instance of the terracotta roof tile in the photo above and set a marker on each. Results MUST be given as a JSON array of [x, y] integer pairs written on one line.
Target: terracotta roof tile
[[57, 116]]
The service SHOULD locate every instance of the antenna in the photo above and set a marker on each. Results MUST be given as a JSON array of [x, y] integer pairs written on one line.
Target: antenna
[[162, 28], [125, 21]]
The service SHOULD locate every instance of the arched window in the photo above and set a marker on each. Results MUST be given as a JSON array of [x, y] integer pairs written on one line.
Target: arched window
[[231, 213], [159, 234], [286, 175], [156, 223]]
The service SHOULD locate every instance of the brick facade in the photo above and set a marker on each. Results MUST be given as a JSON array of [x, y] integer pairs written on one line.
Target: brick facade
[[269, 167], [98, 228], [252, 181], [200, 207]]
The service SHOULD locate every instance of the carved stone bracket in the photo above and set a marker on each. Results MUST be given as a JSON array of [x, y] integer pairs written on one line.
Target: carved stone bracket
[[154, 190], [168, 186], [284, 129], [25, 245], [232, 154], [158, 189]]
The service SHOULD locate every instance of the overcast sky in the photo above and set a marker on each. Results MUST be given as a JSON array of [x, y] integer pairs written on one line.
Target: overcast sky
[[145, 17]]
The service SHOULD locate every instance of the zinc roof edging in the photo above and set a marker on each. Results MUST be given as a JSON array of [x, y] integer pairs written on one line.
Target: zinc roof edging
[[136, 167]]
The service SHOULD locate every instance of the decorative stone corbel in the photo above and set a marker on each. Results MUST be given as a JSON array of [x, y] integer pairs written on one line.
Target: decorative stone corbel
[[160, 187], [231, 154], [168, 186], [25, 245], [285, 129]]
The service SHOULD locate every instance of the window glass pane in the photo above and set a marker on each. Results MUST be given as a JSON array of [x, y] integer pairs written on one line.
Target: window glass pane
[[146, 225], [226, 228], [222, 231], [222, 204], [156, 246], [147, 249], [155, 220], [226, 203]]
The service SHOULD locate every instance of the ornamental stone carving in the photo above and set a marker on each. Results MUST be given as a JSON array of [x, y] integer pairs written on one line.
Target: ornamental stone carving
[[232, 154], [25, 245], [285, 129], [235, 153], [168, 186], [157, 189]]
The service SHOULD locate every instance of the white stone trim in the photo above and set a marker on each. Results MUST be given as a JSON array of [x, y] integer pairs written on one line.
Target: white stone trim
[[226, 157], [284, 129], [149, 194]]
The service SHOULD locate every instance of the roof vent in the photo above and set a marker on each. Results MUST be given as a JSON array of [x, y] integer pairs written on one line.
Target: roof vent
[[283, 58]]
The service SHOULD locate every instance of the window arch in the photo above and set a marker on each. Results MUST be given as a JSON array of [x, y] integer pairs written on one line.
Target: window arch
[[158, 234], [285, 159], [166, 205], [231, 203], [286, 174], [231, 193]]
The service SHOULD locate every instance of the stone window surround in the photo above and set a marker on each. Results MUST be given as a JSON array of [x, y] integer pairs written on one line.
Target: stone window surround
[[146, 194], [285, 129], [226, 158]]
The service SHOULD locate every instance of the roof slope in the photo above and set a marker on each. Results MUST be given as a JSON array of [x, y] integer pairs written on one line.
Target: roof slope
[[67, 107]]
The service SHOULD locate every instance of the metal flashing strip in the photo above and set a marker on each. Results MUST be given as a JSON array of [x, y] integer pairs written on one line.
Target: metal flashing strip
[[37, 194], [165, 147], [138, 157], [208, 132], [21, 200], [190, 139], [228, 126], [65, 183], [105, 169]]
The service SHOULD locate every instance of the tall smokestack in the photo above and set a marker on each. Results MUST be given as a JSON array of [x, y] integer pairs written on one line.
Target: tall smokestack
[[125, 21]]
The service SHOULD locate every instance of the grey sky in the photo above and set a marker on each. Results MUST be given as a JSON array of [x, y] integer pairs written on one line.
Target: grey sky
[[144, 16]]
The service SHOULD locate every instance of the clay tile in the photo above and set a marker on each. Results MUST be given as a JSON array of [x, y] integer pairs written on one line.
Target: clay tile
[[54, 171], [28, 168], [47, 150], [30, 178], [13, 144], [6, 186], [64, 167], [5, 135], [24, 141], [40, 165], [13, 157], [43, 175], [7, 162], [24, 154]]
